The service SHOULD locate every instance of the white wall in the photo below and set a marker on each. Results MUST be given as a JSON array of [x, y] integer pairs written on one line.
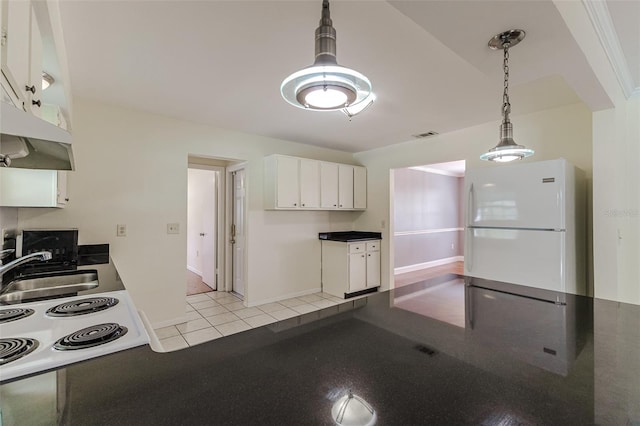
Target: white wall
[[616, 170], [559, 132], [132, 169]]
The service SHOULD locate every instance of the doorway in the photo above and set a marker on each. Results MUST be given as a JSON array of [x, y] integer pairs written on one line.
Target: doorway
[[205, 221], [428, 239]]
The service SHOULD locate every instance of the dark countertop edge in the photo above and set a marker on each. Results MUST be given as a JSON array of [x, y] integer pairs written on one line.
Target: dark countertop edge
[[349, 236]]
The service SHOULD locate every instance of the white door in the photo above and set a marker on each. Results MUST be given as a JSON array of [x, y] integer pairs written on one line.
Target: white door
[[309, 183], [288, 182], [208, 232], [357, 272], [328, 185], [345, 186], [526, 257], [238, 278], [519, 196], [373, 269]]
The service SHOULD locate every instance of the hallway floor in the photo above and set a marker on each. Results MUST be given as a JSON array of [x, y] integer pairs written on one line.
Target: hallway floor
[[216, 314], [429, 292], [195, 284]]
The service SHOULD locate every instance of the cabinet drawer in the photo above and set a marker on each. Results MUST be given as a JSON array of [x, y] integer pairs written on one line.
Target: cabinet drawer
[[373, 246], [356, 248]]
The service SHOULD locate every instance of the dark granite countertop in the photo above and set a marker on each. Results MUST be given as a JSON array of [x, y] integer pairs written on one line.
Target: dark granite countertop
[[517, 361], [350, 236]]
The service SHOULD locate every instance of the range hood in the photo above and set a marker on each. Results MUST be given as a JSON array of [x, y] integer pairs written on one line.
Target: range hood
[[28, 142]]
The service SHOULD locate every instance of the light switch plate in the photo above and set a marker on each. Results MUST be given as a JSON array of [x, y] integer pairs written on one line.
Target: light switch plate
[[173, 228], [121, 230]]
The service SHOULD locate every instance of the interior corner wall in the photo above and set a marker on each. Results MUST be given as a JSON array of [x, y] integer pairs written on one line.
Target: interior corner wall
[[559, 132], [132, 169]]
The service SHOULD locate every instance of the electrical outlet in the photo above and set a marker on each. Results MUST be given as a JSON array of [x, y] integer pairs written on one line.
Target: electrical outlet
[[121, 230], [453, 246], [173, 228]]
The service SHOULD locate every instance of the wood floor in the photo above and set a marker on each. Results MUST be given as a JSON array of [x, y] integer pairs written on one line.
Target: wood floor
[[195, 284], [427, 273], [443, 301]]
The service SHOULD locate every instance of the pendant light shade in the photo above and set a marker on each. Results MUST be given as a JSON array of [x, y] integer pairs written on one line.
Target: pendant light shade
[[506, 150], [325, 85]]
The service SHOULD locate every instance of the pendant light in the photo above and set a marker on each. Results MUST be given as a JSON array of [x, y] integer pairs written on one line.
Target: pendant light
[[506, 150], [325, 85]]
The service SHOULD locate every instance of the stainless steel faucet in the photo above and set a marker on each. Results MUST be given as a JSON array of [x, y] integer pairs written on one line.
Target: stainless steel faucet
[[41, 255]]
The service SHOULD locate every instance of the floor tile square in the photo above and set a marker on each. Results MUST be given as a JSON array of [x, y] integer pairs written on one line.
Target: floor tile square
[[222, 318], [190, 326], [206, 304], [165, 332], [193, 315], [227, 300], [235, 306], [260, 320], [202, 335], [190, 308], [292, 302], [306, 308], [324, 303], [284, 314], [271, 307], [173, 343], [233, 327], [248, 312], [310, 298], [215, 295], [208, 312]]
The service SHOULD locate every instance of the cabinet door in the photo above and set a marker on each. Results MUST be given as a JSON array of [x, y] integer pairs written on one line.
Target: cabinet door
[[357, 272], [373, 269], [328, 185], [359, 187], [15, 53], [345, 186], [62, 197], [309, 183], [288, 186], [34, 100]]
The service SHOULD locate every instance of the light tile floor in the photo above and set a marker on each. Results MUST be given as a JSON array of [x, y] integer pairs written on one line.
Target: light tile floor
[[216, 314]]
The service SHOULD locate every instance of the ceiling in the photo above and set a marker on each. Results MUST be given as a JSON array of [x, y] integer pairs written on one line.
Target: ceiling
[[221, 63]]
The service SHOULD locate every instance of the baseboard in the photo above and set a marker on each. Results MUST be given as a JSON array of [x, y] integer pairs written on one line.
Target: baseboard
[[194, 270], [284, 297], [167, 323], [418, 266]]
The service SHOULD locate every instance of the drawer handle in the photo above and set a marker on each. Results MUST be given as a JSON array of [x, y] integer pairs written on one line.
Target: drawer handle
[[38, 102], [31, 89]]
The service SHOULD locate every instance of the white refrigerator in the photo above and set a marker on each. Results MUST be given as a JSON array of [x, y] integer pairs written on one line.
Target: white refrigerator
[[525, 225]]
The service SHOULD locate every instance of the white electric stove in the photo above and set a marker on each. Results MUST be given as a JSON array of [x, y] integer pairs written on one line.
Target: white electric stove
[[44, 335]]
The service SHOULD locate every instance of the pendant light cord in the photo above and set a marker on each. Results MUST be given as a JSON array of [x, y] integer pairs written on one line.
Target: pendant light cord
[[506, 105]]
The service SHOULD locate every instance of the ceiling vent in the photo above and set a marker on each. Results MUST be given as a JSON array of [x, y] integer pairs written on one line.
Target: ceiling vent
[[425, 135]]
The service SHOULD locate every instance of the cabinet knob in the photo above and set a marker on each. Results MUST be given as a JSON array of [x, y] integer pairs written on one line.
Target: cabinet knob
[[303, 204], [66, 199], [31, 89], [38, 102], [295, 204], [334, 205]]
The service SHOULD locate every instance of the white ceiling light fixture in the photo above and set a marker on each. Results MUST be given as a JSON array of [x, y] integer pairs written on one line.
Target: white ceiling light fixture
[[325, 85], [352, 410], [47, 80], [506, 150]]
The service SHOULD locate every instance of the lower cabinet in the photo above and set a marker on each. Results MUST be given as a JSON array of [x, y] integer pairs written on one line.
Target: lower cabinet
[[350, 267]]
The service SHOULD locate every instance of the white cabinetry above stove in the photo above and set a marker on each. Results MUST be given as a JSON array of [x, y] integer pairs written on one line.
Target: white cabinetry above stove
[[33, 188], [293, 183]]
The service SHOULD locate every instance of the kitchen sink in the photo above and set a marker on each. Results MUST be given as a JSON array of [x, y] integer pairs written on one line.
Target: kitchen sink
[[48, 285]]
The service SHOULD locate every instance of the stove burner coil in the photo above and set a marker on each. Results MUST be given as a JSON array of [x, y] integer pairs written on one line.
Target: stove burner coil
[[82, 306], [91, 336], [8, 315], [14, 348]]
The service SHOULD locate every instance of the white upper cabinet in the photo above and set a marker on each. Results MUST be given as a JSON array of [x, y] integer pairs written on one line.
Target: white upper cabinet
[[293, 183], [328, 185], [359, 187], [309, 183], [345, 186], [21, 55]]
